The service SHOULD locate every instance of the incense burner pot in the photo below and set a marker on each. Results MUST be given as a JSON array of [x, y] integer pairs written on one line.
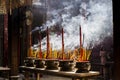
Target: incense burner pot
[[39, 63], [83, 66], [29, 62], [51, 64], [66, 65]]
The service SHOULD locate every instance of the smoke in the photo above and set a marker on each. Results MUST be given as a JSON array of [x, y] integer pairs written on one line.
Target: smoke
[[94, 17]]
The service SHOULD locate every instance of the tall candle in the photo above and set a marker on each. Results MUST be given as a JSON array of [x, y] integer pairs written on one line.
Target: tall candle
[[40, 53], [47, 43], [80, 37], [81, 49], [62, 44]]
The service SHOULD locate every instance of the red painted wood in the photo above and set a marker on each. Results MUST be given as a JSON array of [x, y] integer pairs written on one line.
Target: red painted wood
[[5, 40]]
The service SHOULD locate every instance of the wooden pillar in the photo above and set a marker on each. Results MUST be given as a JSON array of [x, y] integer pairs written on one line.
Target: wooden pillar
[[5, 55], [116, 30], [1, 38], [26, 75], [38, 76], [13, 43]]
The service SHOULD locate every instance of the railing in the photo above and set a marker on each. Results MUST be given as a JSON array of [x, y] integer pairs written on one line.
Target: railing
[[106, 70], [73, 75], [5, 72]]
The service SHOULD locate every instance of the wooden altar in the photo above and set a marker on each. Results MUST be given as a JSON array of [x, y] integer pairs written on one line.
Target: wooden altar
[[70, 74]]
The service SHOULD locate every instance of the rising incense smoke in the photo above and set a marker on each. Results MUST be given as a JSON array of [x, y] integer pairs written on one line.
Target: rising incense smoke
[[94, 16]]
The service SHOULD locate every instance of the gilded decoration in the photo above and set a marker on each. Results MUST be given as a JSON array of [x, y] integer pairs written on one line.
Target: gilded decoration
[[7, 5]]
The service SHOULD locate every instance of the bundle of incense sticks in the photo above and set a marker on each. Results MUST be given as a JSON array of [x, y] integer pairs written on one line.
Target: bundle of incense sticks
[[50, 51], [68, 53], [55, 54], [84, 53], [62, 43]]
